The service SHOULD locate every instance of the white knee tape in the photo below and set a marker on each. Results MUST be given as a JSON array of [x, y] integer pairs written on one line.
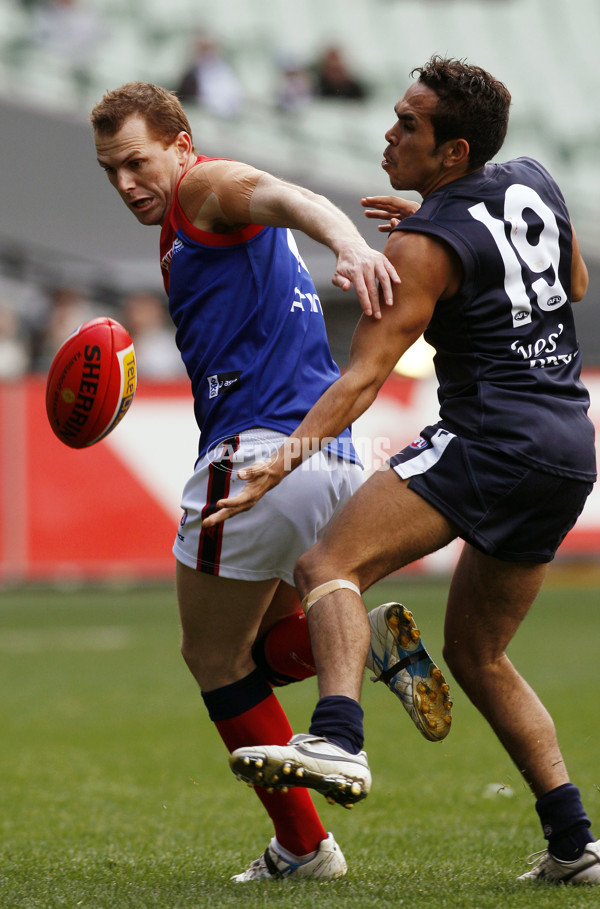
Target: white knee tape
[[323, 589]]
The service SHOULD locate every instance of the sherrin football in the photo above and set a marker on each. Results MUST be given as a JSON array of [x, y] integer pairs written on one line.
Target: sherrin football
[[91, 382]]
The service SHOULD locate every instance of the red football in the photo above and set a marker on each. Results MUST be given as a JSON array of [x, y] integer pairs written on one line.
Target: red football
[[91, 382]]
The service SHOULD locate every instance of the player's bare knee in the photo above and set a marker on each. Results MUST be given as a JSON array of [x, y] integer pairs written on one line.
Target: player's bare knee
[[470, 666], [462, 661], [190, 653], [312, 570], [305, 572], [202, 664]]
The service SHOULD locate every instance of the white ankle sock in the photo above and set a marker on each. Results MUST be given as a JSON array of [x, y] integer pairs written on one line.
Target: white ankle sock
[[290, 857]]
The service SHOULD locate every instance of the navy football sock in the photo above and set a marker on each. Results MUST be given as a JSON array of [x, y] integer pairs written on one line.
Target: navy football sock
[[564, 821], [238, 697], [340, 720]]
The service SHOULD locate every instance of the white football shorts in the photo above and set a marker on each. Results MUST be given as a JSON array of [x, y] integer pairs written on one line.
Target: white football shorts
[[266, 541]]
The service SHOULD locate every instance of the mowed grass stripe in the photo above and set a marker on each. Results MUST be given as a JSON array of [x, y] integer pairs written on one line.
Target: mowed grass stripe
[[99, 637], [116, 792]]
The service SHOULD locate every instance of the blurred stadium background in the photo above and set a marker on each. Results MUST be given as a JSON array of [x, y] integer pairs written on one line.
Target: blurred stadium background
[[79, 514]]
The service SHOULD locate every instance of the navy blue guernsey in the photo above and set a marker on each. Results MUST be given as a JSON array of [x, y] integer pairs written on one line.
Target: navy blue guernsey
[[507, 358], [250, 328]]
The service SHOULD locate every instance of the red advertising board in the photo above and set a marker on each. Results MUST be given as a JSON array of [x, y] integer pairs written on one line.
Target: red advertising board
[[111, 511]]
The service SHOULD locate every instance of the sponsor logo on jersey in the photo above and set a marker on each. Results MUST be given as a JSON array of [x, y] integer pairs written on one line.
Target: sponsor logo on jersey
[[544, 351], [165, 262], [419, 443], [306, 302], [223, 383]]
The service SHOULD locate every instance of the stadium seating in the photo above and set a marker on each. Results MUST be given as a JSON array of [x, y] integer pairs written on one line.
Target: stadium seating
[[545, 50]]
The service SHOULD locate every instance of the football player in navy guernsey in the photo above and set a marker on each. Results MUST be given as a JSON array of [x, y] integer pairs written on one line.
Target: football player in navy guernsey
[[490, 266], [251, 334]]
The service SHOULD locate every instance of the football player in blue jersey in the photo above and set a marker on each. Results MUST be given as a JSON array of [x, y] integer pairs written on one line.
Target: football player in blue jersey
[[251, 333], [490, 266]]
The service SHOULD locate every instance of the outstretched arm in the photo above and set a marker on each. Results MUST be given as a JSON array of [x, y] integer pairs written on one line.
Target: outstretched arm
[[430, 271], [282, 204], [224, 196]]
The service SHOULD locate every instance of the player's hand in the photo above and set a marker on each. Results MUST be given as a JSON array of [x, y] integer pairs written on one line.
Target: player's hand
[[369, 272], [391, 209], [260, 477]]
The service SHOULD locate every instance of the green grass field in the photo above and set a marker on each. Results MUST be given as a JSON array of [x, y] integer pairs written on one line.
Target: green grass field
[[115, 790]]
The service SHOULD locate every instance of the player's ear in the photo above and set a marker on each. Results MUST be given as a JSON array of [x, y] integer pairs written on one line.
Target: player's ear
[[457, 152], [183, 145]]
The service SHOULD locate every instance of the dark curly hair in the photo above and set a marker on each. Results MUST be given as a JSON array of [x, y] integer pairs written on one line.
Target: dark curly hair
[[472, 105]]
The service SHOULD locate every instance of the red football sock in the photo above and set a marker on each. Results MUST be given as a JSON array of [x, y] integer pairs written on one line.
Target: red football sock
[[286, 652], [297, 825]]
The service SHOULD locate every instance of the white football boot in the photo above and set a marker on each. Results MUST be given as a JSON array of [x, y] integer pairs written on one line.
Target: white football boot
[[398, 657], [307, 761], [584, 870], [327, 864]]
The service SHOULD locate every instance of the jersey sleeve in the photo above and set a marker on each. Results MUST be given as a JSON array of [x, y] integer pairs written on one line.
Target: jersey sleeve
[[424, 225]]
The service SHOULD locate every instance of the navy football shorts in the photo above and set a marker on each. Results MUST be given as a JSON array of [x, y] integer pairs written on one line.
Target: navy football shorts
[[501, 506]]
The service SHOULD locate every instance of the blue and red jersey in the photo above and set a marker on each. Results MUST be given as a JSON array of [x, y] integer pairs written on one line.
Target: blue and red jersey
[[250, 327]]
